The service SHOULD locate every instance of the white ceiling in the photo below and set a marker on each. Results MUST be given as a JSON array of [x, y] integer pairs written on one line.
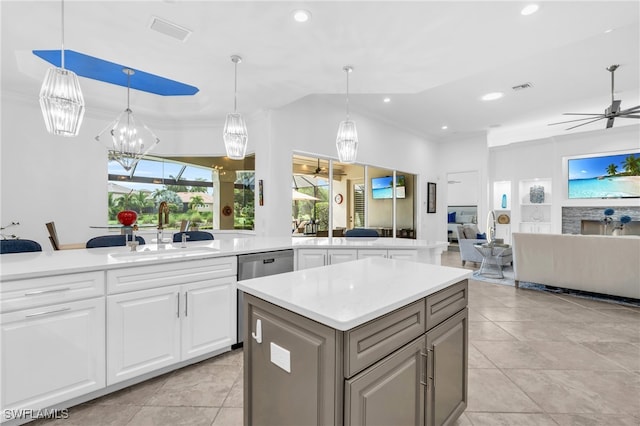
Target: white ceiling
[[434, 59]]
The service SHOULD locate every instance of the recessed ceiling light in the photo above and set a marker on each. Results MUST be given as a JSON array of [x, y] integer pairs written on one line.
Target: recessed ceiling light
[[386, 100], [492, 96], [607, 31], [529, 9], [301, 15], [444, 127]]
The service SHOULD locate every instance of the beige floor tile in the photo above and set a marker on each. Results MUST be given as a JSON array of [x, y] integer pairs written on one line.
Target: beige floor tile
[[229, 358], [491, 391], [528, 313], [480, 301], [510, 419], [174, 416], [229, 417], [463, 420], [94, 415], [477, 359], [595, 420], [133, 395], [544, 355], [591, 303], [575, 313], [625, 354], [479, 330], [538, 331], [575, 391], [235, 398], [207, 386], [628, 315], [605, 332], [475, 315]]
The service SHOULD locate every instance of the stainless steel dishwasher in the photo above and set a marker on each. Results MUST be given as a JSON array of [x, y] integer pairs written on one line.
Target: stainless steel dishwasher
[[260, 265]]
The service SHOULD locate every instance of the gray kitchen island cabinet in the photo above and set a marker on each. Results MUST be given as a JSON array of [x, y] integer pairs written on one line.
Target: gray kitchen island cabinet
[[382, 342]]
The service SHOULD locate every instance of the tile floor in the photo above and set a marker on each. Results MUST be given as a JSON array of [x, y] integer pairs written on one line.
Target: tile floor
[[534, 359]]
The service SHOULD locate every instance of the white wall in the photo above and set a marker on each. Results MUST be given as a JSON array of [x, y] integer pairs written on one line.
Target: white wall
[[47, 178]]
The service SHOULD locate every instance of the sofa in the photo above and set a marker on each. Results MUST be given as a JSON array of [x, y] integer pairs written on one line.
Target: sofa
[[468, 253], [594, 263]]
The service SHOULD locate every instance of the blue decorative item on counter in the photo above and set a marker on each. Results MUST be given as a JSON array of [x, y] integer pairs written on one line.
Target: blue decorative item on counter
[[504, 201], [536, 194]]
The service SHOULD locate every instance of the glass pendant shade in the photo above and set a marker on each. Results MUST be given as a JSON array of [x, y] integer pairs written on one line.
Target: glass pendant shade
[[127, 138], [62, 102], [347, 142], [235, 129], [347, 139], [235, 136]]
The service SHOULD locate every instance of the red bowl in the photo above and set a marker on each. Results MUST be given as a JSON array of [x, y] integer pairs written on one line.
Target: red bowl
[[127, 217]]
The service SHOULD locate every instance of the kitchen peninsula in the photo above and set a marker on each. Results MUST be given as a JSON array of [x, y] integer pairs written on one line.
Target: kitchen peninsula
[[78, 324], [356, 344]]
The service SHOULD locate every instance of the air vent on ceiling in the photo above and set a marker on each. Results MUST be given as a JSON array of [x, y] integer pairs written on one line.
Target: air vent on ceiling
[[522, 86], [169, 28]]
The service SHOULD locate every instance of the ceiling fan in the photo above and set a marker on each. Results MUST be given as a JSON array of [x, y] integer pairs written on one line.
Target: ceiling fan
[[611, 113]]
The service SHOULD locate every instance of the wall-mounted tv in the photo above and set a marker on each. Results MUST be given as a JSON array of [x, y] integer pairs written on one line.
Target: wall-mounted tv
[[605, 176], [382, 187]]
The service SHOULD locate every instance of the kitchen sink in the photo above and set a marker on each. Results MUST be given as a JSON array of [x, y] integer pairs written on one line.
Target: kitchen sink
[[167, 251]]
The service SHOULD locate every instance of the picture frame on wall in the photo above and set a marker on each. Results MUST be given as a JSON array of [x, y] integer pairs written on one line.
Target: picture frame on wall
[[431, 197]]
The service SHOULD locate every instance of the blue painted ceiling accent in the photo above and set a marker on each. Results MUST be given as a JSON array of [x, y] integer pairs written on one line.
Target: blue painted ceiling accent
[[109, 72]]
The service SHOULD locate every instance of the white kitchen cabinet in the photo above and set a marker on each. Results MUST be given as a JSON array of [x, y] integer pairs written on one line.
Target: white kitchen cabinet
[[52, 353], [157, 327], [335, 256], [411, 255], [311, 258], [364, 254], [535, 227]]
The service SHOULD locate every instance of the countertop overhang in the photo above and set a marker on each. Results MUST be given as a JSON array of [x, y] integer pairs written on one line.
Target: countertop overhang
[[346, 295], [40, 264]]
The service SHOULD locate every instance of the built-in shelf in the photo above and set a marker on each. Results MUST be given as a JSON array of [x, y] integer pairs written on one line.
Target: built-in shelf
[[501, 205], [535, 217]]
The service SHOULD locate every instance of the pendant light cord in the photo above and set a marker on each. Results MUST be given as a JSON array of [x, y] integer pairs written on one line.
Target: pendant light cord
[[235, 86], [347, 71], [128, 89], [62, 51]]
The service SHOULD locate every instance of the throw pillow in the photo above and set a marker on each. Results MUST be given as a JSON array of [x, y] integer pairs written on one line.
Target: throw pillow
[[470, 232], [451, 218], [482, 236]]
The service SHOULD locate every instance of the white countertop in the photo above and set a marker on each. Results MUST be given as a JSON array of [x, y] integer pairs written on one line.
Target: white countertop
[[32, 265], [346, 295]]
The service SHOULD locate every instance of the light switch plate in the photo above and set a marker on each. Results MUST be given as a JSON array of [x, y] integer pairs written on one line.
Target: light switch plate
[[281, 357]]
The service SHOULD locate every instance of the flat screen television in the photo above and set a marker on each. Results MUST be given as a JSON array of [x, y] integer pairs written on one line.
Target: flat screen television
[[382, 187], [605, 176]]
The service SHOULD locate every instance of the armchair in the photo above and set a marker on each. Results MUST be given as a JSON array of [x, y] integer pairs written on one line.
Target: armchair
[[468, 253]]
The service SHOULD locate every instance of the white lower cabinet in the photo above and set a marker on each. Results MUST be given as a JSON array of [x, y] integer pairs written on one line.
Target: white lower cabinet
[[52, 354], [311, 258], [535, 227], [155, 328]]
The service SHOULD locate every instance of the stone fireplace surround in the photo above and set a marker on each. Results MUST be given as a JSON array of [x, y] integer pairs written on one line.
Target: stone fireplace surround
[[572, 216]]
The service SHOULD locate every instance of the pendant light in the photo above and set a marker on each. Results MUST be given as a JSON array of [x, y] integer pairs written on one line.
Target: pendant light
[[347, 139], [130, 138], [235, 129], [61, 99]]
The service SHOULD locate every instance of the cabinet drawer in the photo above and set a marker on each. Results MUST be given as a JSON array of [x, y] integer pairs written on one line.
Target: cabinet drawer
[[445, 303], [376, 339], [31, 293], [144, 277]]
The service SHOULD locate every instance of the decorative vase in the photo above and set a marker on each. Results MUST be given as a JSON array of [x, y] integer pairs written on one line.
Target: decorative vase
[[504, 201], [127, 217], [536, 194]]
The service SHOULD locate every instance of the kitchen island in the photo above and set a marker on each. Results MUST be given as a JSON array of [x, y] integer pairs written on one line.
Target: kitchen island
[[375, 341]]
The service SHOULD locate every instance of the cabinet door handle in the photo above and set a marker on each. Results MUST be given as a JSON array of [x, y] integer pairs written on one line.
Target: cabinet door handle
[[55, 290], [257, 335], [38, 314], [424, 366], [186, 304], [178, 310]]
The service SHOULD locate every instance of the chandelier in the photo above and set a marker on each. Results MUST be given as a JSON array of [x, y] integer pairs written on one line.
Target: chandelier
[[235, 129], [61, 99], [347, 139], [130, 138]]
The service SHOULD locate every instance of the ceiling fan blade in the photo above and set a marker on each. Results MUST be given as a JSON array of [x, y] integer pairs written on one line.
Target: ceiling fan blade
[[629, 116], [610, 122], [579, 119], [581, 113], [588, 122], [625, 111]]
